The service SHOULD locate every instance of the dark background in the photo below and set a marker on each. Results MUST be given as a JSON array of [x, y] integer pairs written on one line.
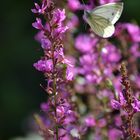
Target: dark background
[[20, 93]]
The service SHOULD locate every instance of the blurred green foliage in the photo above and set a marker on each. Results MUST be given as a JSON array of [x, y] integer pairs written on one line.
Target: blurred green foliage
[[20, 93]]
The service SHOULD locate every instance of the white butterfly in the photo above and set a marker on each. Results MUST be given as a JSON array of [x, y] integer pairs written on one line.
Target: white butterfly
[[102, 18]]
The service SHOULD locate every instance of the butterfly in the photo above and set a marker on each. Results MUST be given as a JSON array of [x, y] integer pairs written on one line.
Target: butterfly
[[102, 18]]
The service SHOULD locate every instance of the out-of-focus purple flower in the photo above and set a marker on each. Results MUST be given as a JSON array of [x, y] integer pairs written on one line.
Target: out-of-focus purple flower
[[70, 117], [45, 107], [74, 5], [114, 134], [102, 122], [136, 105], [110, 54], [134, 31], [39, 36], [46, 43], [38, 24], [135, 50], [88, 60], [44, 65], [135, 78], [90, 121], [90, 68], [117, 86], [84, 43], [118, 120], [73, 22], [107, 1], [68, 62], [93, 78], [105, 94], [115, 104]]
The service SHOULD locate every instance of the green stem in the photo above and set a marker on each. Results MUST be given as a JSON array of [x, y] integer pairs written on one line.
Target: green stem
[[55, 99], [54, 91]]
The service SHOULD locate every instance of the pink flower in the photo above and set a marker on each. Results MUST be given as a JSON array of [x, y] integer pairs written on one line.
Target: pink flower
[[107, 1], [38, 24], [122, 99], [39, 36], [118, 120], [41, 9], [74, 4], [45, 107], [115, 104], [110, 53], [44, 65], [102, 123], [90, 121], [114, 134], [84, 43], [73, 22], [60, 111], [58, 16], [134, 31], [46, 43], [135, 50]]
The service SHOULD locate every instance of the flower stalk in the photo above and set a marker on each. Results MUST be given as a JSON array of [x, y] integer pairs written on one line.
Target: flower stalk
[[127, 126]]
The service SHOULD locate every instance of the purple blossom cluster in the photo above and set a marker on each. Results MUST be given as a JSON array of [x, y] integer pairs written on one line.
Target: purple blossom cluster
[[59, 115], [89, 94]]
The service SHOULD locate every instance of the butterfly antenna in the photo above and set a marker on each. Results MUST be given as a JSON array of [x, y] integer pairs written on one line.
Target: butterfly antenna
[[84, 10]]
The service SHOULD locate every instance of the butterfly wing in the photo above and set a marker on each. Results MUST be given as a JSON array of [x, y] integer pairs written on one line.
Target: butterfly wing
[[111, 11], [101, 26]]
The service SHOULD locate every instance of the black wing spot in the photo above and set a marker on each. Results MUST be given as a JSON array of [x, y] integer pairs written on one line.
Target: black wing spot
[[113, 14]]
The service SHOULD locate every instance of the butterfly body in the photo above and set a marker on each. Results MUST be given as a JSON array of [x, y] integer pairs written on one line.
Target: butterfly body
[[102, 18]]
